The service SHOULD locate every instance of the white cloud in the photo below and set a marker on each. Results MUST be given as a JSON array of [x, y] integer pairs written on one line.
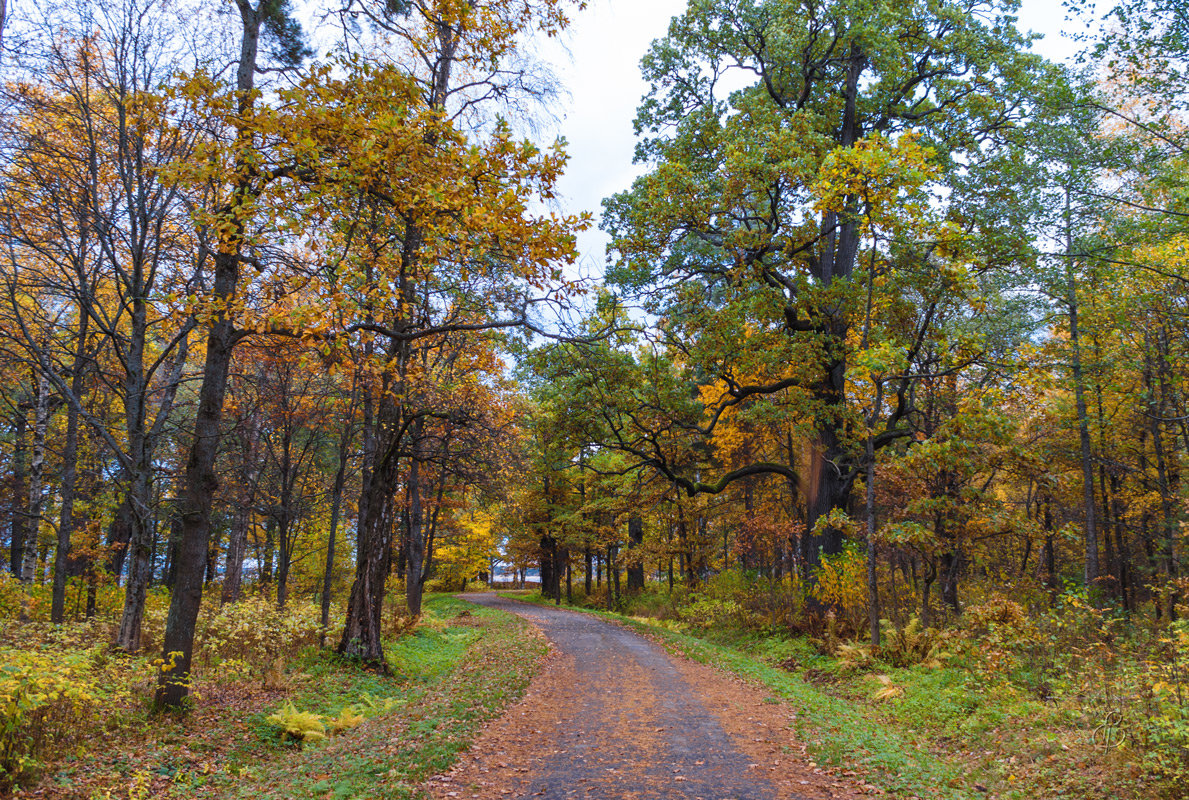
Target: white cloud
[[601, 73]]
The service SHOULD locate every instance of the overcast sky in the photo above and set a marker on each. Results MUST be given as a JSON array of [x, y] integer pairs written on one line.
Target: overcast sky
[[602, 76]]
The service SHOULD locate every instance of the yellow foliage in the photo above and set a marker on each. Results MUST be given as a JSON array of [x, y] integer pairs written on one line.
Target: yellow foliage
[[348, 718], [42, 700], [885, 174], [303, 726], [841, 582], [306, 726], [254, 634]]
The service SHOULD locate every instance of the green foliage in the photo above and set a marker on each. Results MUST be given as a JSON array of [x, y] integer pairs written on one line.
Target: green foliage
[[373, 705], [1165, 732]]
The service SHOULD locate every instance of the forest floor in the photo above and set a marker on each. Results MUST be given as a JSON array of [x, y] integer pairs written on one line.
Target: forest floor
[[613, 716], [461, 666]]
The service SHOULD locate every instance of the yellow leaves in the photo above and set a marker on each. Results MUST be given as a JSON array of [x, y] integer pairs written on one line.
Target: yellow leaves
[[841, 580], [877, 178], [36, 691]]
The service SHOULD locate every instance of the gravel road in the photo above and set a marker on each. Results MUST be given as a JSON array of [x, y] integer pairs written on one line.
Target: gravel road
[[614, 717]]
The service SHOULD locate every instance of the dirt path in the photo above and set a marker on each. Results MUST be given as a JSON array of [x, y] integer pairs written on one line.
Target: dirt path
[[612, 716]]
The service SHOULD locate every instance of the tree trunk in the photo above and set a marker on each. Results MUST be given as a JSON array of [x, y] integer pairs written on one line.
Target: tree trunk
[[926, 587], [613, 575], [140, 567], [872, 573], [635, 563], [237, 536], [336, 504], [547, 560], [237, 540], [612, 582], [20, 492], [1079, 387], [1165, 469], [41, 421], [415, 553], [828, 490], [1168, 519], [1050, 555], [377, 517], [119, 535], [200, 481], [1126, 583], [69, 475], [284, 558]]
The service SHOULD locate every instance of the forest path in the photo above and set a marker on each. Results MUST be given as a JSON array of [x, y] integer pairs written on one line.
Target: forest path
[[613, 716]]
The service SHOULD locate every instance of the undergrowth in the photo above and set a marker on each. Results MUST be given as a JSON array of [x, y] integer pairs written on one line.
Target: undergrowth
[[1062, 702], [273, 717]]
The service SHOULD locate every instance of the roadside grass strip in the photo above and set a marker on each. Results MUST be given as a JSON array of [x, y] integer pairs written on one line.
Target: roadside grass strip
[[836, 730]]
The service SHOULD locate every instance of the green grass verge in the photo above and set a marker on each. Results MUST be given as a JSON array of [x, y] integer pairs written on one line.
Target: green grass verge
[[837, 731], [450, 676]]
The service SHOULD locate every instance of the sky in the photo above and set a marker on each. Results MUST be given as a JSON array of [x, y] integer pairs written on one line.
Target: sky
[[601, 74]]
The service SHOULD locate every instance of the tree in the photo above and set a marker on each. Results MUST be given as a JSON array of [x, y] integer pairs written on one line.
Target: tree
[[459, 253], [727, 237], [228, 219], [89, 200]]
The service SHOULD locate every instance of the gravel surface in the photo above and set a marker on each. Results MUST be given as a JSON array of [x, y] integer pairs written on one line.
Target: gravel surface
[[613, 716]]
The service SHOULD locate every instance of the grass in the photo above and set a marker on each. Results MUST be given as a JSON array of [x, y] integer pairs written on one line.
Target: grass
[[451, 675], [457, 669], [952, 730]]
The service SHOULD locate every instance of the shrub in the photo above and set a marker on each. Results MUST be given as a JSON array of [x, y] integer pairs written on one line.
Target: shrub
[[44, 701], [655, 604], [996, 612], [255, 634], [912, 644], [1166, 731], [710, 612], [13, 595], [842, 585]]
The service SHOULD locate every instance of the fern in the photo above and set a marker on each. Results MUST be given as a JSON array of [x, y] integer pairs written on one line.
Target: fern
[[303, 726], [347, 718], [887, 690], [853, 657]]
